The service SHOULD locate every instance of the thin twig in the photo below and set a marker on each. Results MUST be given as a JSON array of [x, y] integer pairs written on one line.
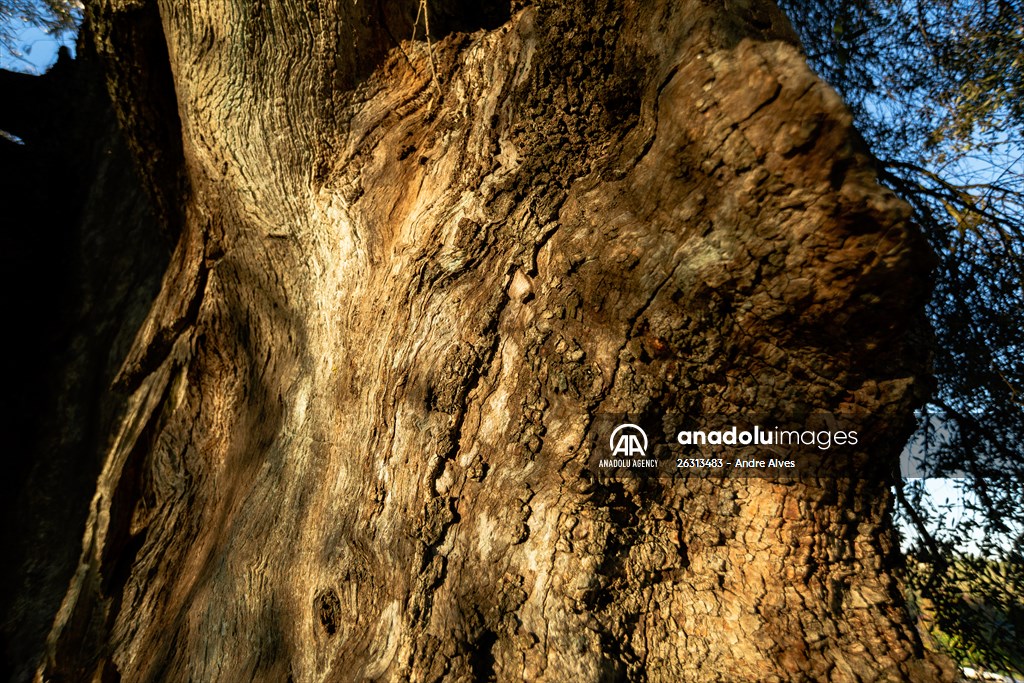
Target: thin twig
[[430, 47]]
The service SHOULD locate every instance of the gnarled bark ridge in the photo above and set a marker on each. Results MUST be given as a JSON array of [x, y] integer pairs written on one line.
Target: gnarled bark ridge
[[356, 443]]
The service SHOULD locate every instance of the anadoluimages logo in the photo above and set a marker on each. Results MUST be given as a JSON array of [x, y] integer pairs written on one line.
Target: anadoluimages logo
[[625, 441], [816, 448]]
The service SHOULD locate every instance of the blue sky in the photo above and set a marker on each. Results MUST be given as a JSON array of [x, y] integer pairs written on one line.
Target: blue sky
[[39, 51]]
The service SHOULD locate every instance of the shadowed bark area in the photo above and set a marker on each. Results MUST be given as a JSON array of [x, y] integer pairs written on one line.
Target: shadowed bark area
[[81, 263], [356, 441]]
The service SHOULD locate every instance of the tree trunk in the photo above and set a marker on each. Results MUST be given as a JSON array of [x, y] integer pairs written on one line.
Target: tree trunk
[[412, 276]]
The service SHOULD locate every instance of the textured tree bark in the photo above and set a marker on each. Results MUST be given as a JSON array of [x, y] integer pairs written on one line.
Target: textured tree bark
[[356, 442]]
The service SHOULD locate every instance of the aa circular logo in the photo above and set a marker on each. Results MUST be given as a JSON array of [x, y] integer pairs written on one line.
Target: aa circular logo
[[628, 440]]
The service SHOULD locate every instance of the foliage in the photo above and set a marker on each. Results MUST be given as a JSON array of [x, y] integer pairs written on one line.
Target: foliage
[[56, 18], [975, 612], [938, 90]]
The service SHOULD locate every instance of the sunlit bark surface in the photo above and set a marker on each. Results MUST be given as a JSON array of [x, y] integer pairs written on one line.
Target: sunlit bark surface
[[356, 448]]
